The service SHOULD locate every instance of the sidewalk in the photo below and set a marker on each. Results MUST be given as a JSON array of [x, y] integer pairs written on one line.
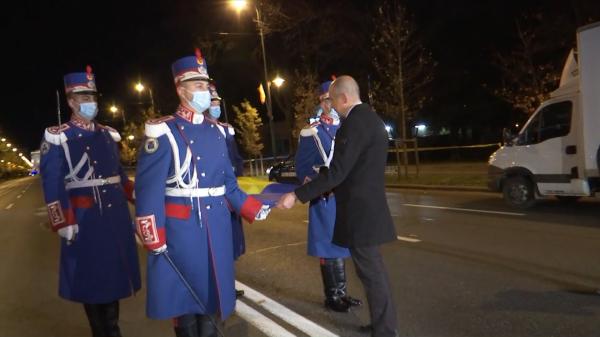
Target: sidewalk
[[465, 176]]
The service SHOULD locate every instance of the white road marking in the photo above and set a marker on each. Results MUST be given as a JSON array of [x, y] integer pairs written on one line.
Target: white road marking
[[260, 321], [465, 210], [9, 206], [277, 247], [299, 322], [407, 239]]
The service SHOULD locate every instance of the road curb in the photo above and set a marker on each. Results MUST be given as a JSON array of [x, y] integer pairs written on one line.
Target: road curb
[[439, 187]]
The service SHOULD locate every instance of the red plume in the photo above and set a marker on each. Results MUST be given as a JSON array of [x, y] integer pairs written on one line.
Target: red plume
[[88, 69], [333, 77], [198, 54]]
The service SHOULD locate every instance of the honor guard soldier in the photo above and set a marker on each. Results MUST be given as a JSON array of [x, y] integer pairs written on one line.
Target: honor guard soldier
[[315, 150], [214, 112], [185, 189], [86, 192]]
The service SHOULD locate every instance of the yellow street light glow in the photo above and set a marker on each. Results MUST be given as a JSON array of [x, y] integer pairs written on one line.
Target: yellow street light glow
[[113, 109], [239, 5], [2, 161], [278, 81], [139, 87], [8, 145], [131, 137], [21, 154], [14, 149], [3, 139]]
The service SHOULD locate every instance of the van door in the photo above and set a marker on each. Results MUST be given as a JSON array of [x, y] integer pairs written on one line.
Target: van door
[[549, 145]]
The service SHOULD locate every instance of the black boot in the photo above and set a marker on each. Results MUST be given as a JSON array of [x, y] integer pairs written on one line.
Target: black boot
[[206, 326], [95, 315], [186, 326], [333, 292], [340, 277], [111, 319], [239, 293]]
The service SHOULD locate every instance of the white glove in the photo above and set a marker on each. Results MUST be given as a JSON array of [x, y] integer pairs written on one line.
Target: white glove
[[159, 250], [262, 214], [69, 232]]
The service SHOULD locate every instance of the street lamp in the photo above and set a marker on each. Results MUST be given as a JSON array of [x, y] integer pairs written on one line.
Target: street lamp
[[14, 149], [240, 5], [278, 81], [113, 108], [8, 145], [3, 140], [139, 87]]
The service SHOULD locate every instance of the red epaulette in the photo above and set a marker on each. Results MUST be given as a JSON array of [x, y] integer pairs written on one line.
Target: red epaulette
[[56, 130], [160, 120]]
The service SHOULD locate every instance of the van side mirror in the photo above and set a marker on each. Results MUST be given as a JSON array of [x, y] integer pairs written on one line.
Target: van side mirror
[[507, 137]]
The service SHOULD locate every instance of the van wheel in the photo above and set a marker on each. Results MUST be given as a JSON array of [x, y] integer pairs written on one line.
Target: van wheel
[[567, 199], [519, 192]]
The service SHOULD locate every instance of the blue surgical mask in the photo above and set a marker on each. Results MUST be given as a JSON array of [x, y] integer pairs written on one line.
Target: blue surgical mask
[[200, 100], [215, 111], [88, 110], [333, 114]]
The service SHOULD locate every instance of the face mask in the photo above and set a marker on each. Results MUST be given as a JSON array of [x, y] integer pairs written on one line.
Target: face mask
[[333, 114], [88, 110], [215, 111], [200, 100]]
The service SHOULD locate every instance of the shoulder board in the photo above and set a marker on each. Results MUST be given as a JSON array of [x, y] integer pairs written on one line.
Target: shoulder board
[[229, 127], [309, 131], [113, 133], [157, 127], [56, 134], [221, 128]]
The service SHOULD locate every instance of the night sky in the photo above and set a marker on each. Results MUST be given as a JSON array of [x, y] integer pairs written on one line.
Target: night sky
[[127, 41]]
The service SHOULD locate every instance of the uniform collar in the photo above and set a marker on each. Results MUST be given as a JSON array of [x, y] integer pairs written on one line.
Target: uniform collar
[[82, 123], [189, 115]]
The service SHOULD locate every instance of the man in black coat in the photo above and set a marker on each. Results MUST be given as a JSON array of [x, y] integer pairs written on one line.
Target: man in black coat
[[356, 176]]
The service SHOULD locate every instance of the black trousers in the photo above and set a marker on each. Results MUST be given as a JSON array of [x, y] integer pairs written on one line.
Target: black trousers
[[374, 277]]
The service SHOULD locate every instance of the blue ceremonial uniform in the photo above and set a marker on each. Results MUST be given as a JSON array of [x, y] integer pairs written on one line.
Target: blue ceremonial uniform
[[315, 151], [185, 187], [315, 148], [101, 264], [86, 192]]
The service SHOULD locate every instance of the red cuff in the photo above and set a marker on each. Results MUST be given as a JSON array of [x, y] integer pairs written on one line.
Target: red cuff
[[60, 217], [128, 188], [151, 236], [250, 208]]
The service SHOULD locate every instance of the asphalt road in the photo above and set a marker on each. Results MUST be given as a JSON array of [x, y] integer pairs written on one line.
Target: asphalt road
[[464, 265]]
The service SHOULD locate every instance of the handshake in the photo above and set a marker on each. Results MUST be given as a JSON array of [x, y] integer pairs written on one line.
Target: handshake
[[287, 201]]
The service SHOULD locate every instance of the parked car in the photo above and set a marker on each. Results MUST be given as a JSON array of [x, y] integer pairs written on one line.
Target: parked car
[[284, 171]]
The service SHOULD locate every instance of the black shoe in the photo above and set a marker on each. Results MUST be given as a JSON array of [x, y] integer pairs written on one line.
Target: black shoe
[[239, 293], [355, 302], [337, 304]]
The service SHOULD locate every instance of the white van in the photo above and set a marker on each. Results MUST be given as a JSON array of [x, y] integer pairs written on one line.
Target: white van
[[557, 152]]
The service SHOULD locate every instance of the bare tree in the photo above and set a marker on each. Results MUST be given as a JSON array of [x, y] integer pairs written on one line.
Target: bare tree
[[248, 122], [528, 74], [404, 67]]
